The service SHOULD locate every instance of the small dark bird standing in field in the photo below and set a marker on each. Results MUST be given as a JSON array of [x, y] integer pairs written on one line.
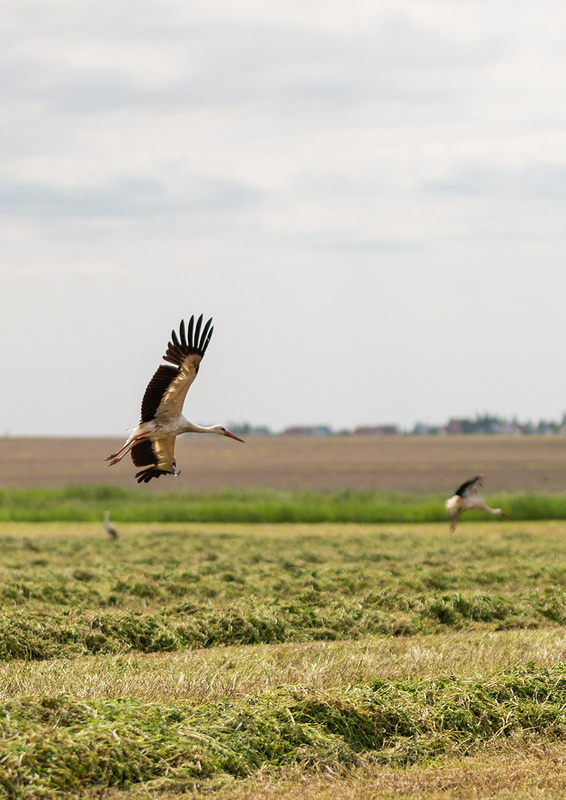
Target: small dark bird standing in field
[[111, 530], [152, 442], [466, 499]]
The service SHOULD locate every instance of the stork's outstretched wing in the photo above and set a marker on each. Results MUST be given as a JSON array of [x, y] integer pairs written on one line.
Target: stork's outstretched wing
[[157, 456], [166, 391], [471, 486]]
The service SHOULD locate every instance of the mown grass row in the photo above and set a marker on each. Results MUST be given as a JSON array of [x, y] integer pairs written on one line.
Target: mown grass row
[[58, 745], [86, 503], [33, 635], [70, 591]]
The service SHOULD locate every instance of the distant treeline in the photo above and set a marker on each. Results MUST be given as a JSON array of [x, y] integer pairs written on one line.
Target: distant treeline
[[482, 424]]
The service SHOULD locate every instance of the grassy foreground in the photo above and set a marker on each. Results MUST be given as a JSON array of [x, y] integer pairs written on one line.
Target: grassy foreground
[[65, 590], [70, 744], [87, 504], [200, 657]]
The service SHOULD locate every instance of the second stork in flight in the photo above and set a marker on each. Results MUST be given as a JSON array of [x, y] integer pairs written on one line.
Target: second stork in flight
[[466, 498], [152, 442]]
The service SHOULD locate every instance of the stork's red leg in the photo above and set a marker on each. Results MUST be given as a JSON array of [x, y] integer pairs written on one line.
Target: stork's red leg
[[455, 519], [114, 458]]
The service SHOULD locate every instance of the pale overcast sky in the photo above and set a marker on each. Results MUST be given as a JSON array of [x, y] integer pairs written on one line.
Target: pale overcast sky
[[369, 199]]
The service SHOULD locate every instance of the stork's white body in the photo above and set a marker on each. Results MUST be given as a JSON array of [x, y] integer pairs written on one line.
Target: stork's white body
[[152, 442], [110, 529], [474, 503], [467, 499]]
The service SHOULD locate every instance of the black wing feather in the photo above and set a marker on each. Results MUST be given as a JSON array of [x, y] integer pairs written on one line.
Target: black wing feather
[[207, 333], [191, 342], [197, 328], [156, 388], [142, 454], [465, 487], [145, 475]]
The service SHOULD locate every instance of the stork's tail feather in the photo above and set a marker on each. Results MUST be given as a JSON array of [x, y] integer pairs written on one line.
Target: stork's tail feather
[[145, 475]]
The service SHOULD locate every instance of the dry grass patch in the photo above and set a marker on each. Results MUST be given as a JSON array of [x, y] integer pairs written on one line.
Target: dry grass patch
[[64, 745], [509, 773], [230, 672]]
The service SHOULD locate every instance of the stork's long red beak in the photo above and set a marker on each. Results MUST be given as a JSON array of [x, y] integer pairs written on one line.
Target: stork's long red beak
[[233, 436]]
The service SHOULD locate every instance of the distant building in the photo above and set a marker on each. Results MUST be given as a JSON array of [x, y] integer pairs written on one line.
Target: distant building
[[377, 430], [509, 429], [454, 426], [485, 425], [422, 429], [308, 430]]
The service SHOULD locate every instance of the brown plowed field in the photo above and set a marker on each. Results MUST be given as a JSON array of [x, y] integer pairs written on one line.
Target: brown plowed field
[[409, 464]]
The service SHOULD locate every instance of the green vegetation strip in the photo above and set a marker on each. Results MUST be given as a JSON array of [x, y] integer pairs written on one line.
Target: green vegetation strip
[[58, 745], [87, 503]]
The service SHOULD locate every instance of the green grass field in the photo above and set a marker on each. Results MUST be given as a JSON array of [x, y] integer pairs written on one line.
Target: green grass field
[[261, 660], [87, 503]]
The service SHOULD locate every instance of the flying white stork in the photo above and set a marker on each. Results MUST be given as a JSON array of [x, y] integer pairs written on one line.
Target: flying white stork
[[466, 498], [152, 442], [110, 529]]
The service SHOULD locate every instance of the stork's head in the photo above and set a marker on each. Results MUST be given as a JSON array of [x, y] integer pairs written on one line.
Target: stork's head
[[222, 431], [500, 513]]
